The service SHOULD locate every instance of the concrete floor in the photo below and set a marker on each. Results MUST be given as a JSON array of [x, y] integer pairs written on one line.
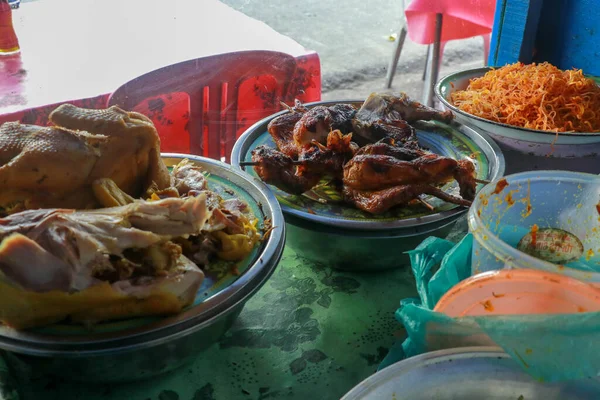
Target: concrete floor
[[352, 38]]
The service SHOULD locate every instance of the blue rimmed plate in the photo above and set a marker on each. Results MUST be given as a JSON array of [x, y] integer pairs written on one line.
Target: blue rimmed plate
[[221, 292], [323, 204]]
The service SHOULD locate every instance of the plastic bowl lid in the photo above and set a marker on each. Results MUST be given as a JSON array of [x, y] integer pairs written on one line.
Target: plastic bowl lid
[[519, 291]]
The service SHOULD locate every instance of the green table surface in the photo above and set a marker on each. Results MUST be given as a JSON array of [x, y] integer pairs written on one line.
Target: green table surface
[[310, 332]]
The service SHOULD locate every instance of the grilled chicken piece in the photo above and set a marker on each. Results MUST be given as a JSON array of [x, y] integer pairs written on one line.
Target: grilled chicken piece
[[384, 115], [316, 161], [376, 172], [45, 167], [96, 265], [278, 169], [329, 159], [316, 123], [281, 129], [380, 201], [398, 152]]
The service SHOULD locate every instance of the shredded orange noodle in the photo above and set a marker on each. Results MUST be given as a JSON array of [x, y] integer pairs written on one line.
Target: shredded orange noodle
[[534, 96]]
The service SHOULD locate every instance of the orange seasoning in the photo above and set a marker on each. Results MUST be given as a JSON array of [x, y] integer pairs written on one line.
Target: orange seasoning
[[509, 199], [502, 183], [589, 254], [534, 230]]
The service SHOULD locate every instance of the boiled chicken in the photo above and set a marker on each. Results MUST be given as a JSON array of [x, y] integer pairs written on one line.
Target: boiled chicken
[[95, 265], [44, 167]]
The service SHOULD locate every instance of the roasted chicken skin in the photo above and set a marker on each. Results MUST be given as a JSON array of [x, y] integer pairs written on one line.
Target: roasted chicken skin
[[385, 115], [316, 123], [130, 156], [278, 169], [42, 167], [373, 172], [281, 129]]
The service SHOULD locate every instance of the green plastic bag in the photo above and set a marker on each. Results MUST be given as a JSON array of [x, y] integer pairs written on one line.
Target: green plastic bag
[[549, 347]]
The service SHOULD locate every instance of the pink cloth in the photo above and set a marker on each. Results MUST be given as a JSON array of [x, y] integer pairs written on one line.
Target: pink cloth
[[462, 19]]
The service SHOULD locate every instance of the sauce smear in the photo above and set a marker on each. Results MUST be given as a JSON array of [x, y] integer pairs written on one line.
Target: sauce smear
[[534, 230], [502, 183]]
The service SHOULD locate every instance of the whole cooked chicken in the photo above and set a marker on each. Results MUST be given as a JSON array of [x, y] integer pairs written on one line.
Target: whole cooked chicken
[[56, 166], [96, 265]]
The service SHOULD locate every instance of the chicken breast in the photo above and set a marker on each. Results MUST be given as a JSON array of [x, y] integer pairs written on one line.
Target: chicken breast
[[102, 264]]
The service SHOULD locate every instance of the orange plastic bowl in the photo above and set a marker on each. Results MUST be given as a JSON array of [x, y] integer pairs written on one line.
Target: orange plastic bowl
[[519, 291]]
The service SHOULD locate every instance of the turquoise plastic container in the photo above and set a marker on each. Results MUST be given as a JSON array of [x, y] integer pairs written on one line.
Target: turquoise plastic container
[[509, 208]]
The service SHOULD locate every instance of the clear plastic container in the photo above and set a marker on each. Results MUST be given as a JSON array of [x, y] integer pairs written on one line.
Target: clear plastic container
[[510, 208]]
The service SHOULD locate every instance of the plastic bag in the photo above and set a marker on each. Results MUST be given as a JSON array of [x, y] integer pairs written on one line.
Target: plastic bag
[[549, 347]]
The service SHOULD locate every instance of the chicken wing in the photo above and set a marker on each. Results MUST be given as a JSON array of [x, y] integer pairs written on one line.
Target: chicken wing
[[384, 115]]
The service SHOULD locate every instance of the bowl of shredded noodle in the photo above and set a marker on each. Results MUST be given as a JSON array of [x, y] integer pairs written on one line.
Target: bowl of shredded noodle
[[536, 103]]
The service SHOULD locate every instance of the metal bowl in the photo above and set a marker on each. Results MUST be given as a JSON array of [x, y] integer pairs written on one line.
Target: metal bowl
[[357, 250], [543, 149], [144, 347], [464, 374], [348, 239]]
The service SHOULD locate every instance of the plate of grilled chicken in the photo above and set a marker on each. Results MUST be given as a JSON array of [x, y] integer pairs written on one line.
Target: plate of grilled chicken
[[386, 162]]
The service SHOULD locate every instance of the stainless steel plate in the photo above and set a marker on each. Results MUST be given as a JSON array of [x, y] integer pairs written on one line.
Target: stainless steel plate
[[460, 80], [471, 373], [65, 341]]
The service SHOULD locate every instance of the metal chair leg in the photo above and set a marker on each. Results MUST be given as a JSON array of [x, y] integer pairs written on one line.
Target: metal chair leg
[[486, 48], [394, 63], [434, 63], [426, 63]]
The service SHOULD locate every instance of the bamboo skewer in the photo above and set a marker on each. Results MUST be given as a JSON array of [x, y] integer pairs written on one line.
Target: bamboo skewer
[[300, 162], [426, 204], [252, 163]]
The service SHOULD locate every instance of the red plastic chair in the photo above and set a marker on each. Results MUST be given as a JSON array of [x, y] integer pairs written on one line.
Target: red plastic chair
[[434, 23], [201, 106]]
